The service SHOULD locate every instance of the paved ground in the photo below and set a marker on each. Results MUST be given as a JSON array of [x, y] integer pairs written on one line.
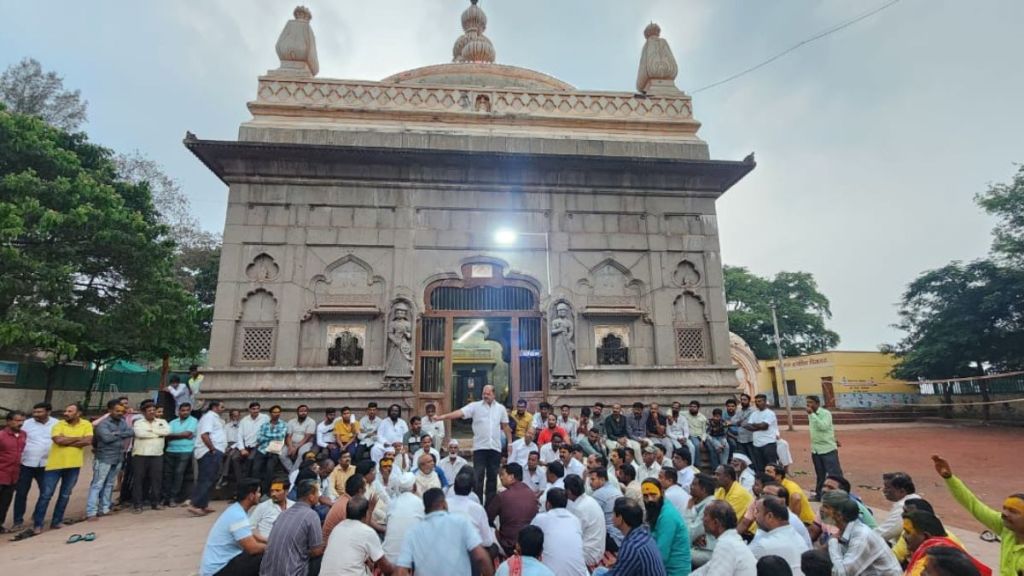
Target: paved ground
[[170, 541]]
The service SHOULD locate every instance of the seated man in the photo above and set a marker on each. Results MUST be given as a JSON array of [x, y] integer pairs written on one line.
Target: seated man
[[528, 556], [922, 531], [638, 555], [858, 549], [513, 508], [897, 487], [426, 475], [231, 548], [731, 554], [798, 501], [297, 543], [355, 545], [563, 536], [741, 463], [263, 515], [702, 493], [729, 490], [667, 529], [442, 543], [775, 535]]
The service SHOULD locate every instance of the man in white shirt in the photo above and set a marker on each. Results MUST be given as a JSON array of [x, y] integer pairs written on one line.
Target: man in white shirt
[[490, 420], [431, 425], [232, 458], [744, 473], [897, 487], [38, 440], [354, 545], [677, 431], [522, 447], [426, 447], [325, 441], [570, 425], [674, 493], [549, 451], [180, 391], [452, 463], [405, 512], [775, 536], [368, 426], [682, 461], [392, 429], [301, 434], [591, 517], [765, 428], [571, 465], [263, 515], [563, 536], [463, 503], [647, 467], [541, 417], [208, 452], [248, 434], [534, 475], [731, 554]]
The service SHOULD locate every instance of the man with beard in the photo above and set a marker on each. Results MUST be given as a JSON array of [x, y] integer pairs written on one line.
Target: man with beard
[[597, 417], [301, 433], [412, 436], [452, 462], [367, 431], [741, 464], [667, 528], [522, 418], [593, 445], [615, 428], [697, 423], [676, 429], [392, 429], [744, 437]]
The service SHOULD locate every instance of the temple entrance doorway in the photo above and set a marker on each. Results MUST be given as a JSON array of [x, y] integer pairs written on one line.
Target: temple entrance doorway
[[479, 331]]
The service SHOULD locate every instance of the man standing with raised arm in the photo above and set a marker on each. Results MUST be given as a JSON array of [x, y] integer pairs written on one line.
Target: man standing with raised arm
[[490, 419]]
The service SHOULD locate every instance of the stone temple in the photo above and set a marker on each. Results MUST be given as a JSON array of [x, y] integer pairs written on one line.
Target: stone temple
[[413, 239]]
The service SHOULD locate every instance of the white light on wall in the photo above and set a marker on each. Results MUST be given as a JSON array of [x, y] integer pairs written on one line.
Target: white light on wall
[[479, 324], [505, 236]]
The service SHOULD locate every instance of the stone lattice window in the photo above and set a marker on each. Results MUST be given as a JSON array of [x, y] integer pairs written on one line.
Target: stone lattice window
[[257, 344], [690, 345]]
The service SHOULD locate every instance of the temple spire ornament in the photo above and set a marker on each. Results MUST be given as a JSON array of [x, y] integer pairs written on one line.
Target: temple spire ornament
[[658, 69], [473, 46], [296, 47]]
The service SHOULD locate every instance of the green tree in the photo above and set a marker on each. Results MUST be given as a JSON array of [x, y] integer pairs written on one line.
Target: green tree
[[1006, 202], [801, 309], [26, 89], [960, 320], [88, 268]]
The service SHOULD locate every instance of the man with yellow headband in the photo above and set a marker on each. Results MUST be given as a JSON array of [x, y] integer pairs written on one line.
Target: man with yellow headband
[[264, 514], [923, 531], [1008, 524], [667, 528]]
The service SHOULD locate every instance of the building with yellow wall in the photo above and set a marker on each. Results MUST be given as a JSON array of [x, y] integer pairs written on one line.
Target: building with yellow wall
[[843, 380]]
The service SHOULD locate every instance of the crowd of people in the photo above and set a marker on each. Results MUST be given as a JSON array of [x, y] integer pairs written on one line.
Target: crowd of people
[[648, 493]]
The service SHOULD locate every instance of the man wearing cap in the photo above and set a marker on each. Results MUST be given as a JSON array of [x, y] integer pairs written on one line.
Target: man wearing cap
[[522, 418], [522, 447], [648, 466], [490, 420], [405, 512], [452, 462], [745, 474]]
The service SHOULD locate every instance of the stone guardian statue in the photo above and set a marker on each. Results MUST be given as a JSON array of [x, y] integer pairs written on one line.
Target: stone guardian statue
[[398, 363], [563, 348]]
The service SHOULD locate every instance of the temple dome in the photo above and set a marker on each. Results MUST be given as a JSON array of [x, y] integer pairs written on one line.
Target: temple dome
[[480, 74]]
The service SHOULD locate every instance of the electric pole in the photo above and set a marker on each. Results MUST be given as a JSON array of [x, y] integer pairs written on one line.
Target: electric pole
[[782, 371]]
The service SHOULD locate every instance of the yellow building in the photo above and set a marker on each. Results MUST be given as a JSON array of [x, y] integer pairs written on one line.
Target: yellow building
[[842, 380]]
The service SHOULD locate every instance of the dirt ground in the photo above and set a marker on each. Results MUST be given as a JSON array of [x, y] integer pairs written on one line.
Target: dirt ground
[[171, 542]]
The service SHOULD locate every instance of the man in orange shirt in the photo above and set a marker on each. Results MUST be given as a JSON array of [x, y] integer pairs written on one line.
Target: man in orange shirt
[[552, 428]]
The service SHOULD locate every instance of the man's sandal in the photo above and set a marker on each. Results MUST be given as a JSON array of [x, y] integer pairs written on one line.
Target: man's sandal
[[74, 538], [989, 536]]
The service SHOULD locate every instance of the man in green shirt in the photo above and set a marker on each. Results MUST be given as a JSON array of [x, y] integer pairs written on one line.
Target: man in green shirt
[[667, 529], [824, 445], [1008, 524]]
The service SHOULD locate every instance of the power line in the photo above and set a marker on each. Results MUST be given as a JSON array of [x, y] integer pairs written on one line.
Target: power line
[[818, 36]]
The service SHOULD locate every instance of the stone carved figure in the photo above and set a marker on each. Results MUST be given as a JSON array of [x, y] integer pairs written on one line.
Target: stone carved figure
[[398, 367], [345, 351], [563, 348], [296, 47]]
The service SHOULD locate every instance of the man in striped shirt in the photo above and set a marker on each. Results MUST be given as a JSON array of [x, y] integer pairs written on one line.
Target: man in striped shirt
[[638, 554]]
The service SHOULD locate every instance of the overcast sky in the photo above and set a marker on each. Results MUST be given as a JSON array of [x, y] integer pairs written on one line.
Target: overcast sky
[[870, 143]]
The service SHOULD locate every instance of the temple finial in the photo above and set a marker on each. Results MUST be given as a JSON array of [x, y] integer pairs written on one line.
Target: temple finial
[[296, 46], [658, 69]]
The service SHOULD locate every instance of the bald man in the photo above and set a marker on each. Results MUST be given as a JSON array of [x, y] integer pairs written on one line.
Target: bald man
[[490, 420]]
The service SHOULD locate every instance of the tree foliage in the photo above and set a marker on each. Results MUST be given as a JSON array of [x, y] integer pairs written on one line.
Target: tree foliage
[[26, 89], [801, 309], [1006, 202], [88, 268], [960, 319]]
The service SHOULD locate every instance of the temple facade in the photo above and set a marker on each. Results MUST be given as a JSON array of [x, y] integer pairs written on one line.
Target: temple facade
[[415, 238]]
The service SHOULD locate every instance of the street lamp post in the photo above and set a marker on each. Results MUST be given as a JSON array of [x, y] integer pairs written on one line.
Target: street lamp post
[[782, 371]]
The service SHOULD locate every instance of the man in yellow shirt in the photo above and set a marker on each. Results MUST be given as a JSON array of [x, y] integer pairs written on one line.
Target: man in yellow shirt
[[730, 491], [70, 437], [346, 433], [522, 418], [1007, 524], [798, 501]]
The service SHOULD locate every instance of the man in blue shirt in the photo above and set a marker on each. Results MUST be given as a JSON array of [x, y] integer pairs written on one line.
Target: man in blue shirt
[[529, 546], [231, 549], [178, 454], [443, 543], [638, 555]]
